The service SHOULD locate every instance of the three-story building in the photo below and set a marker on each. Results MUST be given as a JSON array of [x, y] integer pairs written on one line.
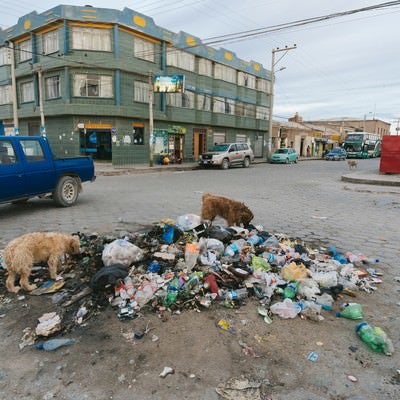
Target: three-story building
[[83, 76]]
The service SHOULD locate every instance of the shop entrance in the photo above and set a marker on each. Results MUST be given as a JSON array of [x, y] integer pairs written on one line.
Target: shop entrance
[[96, 143], [175, 147]]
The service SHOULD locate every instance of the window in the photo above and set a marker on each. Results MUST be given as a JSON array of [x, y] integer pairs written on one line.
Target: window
[[50, 42], [25, 50], [263, 85], [4, 59], [224, 105], [225, 73], [185, 100], [91, 38], [52, 87], [27, 94], [141, 93], [7, 155], [143, 49], [5, 94], [205, 67], [261, 112], [32, 149], [180, 59], [246, 109], [247, 80], [204, 102], [91, 85]]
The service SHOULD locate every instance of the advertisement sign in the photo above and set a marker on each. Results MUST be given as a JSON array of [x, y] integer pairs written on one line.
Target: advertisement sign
[[169, 83]]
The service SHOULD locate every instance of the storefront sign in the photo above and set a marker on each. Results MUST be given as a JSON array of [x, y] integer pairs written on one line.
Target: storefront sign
[[176, 129], [169, 83]]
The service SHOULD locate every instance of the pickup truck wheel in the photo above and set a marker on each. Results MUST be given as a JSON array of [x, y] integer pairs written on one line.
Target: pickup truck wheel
[[246, 162], [225, 164], [66, 192]]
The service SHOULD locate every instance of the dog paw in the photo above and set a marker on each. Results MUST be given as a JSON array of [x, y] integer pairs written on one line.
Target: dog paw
[[29, 288], [14, 289]]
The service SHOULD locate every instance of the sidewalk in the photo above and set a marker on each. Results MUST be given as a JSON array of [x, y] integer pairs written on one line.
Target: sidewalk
[[372, 177]]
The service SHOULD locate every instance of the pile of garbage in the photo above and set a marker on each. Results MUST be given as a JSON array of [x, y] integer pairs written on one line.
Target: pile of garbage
[[174, 265]]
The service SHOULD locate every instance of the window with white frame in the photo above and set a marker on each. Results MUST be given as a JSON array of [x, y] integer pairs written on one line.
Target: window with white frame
[[263, 85], [92, 85], [185, 100], [262, 112], [5, 94], [204, 102], [225, 73], [205, 67], [4, 56], [84, 38], [25, 50], [180, 59], [247, 80], [141, 92], [27, 93], [143, 49], [224, 105], [52, 87], [50, 42]]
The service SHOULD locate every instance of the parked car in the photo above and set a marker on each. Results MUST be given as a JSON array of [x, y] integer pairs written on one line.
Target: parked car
[[336, 154], [285, 155], [28, 168], [225, 155]]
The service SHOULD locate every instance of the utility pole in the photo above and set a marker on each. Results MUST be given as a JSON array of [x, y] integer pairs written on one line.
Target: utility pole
[[151, 120], [42, 123], [13, 87], [271, 104]]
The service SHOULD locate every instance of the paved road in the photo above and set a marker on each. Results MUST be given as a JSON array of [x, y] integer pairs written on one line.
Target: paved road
[[306, 200]]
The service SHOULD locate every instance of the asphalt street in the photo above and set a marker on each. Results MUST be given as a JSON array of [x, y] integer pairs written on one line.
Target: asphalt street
[[305, 200]]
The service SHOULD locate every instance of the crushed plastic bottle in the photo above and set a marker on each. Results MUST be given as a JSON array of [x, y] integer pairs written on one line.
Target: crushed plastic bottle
[[375, 338], [54, 344], [254, 240], [238, 294], [130, 291], [235, 247], [290, 291], [172, 292]]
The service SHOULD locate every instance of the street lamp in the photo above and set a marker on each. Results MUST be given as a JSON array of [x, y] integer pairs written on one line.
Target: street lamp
[[271, 104]]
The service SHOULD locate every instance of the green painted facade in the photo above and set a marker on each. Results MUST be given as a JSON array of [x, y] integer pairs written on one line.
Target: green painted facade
[[69, 119]]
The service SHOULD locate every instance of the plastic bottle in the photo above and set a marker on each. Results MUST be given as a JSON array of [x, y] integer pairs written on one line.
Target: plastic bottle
[[238, 294], [351, 311], [271, 241], [375, 338], [371, 260], [53, 344], [172, 292], [254, 240], [290, 291], [275, 259], [235, 247], [130, 291]]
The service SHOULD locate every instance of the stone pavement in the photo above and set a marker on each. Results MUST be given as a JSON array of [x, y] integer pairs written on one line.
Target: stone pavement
[[372, 177]]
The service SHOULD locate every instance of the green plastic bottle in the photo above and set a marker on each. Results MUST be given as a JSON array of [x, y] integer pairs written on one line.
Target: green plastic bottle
[[172, 292], [290, 291], [375, 338], [351, 311]]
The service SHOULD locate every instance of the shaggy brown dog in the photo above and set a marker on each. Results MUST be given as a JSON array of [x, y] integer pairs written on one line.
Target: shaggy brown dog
[[352, 164], [26, 250], [233, 211]]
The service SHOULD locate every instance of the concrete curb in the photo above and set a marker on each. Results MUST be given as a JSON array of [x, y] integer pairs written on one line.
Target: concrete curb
[[372, 178]]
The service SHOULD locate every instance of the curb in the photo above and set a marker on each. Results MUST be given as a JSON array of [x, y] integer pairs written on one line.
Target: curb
[[371, 180]]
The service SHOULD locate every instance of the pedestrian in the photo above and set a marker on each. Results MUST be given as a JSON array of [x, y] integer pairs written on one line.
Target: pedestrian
[[308, 151]]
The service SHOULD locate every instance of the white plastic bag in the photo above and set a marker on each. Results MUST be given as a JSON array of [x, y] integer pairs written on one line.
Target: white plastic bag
[[120, 251], [188, 222], [286, 309]]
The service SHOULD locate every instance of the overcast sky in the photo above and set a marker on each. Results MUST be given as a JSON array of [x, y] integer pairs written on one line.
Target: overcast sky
[[342, 67]]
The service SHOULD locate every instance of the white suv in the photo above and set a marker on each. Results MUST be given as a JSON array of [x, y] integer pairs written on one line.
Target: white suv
[[226, 154]]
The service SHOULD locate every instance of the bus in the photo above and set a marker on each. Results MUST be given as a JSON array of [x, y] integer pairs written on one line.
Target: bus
[[362, 145]]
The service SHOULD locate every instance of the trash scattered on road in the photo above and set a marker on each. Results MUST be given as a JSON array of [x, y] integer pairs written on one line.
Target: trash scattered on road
[[172, 266]]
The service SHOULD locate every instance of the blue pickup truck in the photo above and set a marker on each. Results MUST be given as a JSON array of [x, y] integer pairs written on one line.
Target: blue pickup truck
[[28, 168]]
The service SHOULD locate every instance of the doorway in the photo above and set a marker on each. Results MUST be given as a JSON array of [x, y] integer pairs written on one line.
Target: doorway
[[199, 143], [97, 143]]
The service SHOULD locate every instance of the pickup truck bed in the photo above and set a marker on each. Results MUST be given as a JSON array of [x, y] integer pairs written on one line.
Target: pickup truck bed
[[28, 168]]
